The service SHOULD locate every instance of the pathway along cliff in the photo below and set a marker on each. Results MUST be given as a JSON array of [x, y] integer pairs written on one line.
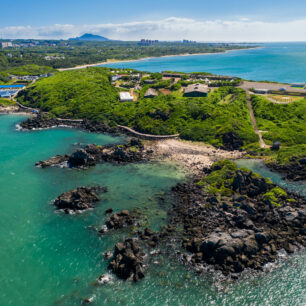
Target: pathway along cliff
[[249, 102]]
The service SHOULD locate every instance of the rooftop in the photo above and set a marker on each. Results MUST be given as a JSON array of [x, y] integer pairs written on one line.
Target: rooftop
[[196, 88]]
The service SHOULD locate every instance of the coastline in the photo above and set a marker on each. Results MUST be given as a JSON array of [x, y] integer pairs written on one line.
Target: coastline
[[110, 61]]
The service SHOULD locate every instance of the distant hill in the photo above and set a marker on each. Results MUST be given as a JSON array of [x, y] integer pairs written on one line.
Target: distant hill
[[90, 37]]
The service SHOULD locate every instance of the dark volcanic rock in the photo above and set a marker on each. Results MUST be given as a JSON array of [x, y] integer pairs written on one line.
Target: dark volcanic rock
[[89, 155], [247, 183], [127, 261], [232, 141], [81, 158], [57, 160], [78, 199], [119, 220], [241, 231], [294, 171]]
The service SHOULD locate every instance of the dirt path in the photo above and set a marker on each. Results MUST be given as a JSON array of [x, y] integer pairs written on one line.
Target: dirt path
[[258, 132], [192, 156]]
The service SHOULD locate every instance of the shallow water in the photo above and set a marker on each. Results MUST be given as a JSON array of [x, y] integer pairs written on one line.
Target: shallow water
[[48, 258], [278, 62]]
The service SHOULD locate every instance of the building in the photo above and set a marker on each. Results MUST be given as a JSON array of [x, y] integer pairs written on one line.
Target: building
[[11, 87], [147, 42], [261, 91], [196, 90], [116, 78], [7, 94], [6, 44], [172, 75], [300, 85], [149, 81], [150, 93], [126, 97]]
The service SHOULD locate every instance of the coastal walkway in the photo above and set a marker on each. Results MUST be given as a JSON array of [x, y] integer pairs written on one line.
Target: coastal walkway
[[146, 136], [256, 130]]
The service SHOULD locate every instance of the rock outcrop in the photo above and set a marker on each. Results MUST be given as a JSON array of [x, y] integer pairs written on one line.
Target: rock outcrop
[[127, 261], [79, 199], [232, 141], [295, 170], [90, 155], [242, 229], [118, 221]]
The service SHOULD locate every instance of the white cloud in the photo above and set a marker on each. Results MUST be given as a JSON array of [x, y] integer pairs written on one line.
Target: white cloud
[[172, 28]]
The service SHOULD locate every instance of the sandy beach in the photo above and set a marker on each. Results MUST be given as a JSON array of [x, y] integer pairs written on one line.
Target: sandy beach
[[192, 156]]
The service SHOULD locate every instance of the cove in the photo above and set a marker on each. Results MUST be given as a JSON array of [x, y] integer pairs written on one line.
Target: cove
[[48, 258]]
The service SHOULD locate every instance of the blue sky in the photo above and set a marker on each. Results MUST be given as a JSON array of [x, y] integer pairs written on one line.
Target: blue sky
[[137, 18]]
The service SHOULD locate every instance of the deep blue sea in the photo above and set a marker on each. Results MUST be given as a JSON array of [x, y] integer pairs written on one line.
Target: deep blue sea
[[278, 62]]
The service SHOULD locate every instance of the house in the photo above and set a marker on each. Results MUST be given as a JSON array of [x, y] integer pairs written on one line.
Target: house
[[6, 44], [172, 75], [126, 97], [150, 93], [261, 91], [301, 85], [116, 78], [149, 81], [196, 90]]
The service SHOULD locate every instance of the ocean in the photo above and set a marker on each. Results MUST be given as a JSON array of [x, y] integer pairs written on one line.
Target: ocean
[[277, 62], [49, 258]]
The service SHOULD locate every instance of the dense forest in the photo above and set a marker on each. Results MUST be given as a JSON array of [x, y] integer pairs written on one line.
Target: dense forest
[[88, 93]]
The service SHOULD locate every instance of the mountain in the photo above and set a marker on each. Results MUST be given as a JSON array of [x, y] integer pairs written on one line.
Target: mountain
[[90, 37]]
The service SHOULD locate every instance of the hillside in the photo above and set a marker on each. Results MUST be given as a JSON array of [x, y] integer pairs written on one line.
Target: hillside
[[88, 94], [90, 37]]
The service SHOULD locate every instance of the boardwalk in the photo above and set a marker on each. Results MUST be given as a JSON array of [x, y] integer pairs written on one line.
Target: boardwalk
[[146, 136]]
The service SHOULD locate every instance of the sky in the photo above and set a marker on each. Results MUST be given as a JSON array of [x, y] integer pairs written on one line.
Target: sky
[[201, 20]]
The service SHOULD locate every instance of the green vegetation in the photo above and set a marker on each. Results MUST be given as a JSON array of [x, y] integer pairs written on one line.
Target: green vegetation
[[84, 93], [6, 102], [284, 154], [30, 70], [87, 93], [221, 179], [275, 195], [284, 123], [62, 54]]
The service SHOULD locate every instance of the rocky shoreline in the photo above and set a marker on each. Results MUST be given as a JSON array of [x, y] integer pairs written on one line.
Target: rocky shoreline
[[89, 155], [232, 219], [42, 121], [242, 226], [294, 171]]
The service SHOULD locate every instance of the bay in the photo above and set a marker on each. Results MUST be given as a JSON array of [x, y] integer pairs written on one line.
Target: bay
[[278, 62]]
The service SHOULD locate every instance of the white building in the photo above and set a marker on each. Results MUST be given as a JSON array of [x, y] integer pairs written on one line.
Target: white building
[[126, 97]]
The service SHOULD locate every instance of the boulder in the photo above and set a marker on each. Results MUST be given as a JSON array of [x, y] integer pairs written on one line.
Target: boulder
[[127, 261], [232, 141], [78, 199], [81, 158]]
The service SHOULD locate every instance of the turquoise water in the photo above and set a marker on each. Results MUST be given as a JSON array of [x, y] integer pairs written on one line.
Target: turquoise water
[[278, 62], [48, 258]]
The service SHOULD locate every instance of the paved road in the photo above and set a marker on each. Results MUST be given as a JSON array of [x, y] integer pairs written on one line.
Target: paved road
[[246, 85]]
